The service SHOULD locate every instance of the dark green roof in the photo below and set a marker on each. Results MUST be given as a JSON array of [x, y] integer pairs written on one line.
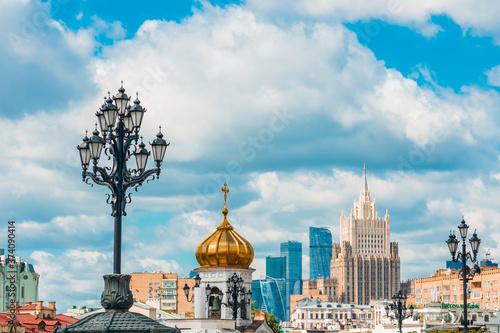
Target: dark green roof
[[104, 322]]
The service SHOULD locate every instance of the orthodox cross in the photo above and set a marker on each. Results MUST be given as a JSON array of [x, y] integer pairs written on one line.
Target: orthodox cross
[[226, 191]]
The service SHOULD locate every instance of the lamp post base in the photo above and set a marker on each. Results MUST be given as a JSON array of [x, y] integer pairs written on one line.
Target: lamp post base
[[117, 295]]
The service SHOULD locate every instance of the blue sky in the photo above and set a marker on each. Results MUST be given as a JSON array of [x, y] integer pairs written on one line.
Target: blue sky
[[453, 56], [284, 100]]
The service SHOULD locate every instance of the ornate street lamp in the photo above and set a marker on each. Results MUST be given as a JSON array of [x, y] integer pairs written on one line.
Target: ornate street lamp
[[197, 280], [235, 294], [120, 125], [399, 309], [118, 138], [466, 273]]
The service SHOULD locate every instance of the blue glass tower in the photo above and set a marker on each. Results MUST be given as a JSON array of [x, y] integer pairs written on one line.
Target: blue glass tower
[[292, 251], [276, 267], [320, 252], [269, 295], [256, 294]]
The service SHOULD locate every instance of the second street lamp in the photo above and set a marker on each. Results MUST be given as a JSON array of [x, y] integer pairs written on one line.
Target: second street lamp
[[120, 126], [466, 273], [236, 296], [399, 309]]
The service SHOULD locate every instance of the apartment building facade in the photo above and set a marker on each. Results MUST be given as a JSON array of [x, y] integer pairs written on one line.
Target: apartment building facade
[[445, 287], [163, 291]]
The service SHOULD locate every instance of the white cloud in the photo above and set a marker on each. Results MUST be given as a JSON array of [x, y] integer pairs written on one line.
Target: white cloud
[[494, 76], [114, 30], [68, 277], [478, 18]]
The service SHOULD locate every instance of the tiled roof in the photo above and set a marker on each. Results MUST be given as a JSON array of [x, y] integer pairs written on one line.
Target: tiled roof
[[31, 322], [32, 307]]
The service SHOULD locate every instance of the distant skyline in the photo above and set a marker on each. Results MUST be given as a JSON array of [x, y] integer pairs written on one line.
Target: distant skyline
[[283, 100]]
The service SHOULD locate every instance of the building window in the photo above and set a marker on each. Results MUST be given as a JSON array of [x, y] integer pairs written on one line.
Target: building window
[[475, 295], [495, 293], [494, 283], [22, 292], [455, 288], [487, 283], [425, 291], [486, 318], [418, 291], [150, 284], [487, 294]]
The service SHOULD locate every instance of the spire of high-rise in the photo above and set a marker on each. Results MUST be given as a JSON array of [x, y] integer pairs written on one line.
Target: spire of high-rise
[[365, 184]]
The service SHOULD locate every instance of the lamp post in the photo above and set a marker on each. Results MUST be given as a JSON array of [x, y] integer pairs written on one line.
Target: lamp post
[[120, 124], [197, 280], [466, 273], [235, 294], [398, 307]]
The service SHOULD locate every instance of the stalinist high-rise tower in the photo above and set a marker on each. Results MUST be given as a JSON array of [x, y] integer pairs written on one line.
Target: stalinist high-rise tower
[[365, 264]]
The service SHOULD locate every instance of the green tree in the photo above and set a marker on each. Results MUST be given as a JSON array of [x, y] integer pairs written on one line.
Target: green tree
[[271, 319]]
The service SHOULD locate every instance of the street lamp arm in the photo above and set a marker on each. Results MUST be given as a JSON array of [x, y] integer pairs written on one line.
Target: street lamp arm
[[138, 180], [103, 180], [105, 177], [463, 257], [128, 140]]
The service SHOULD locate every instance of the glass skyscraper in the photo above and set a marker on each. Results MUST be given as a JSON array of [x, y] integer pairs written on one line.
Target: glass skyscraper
[[276, 267], [320, 252], [256, 294], [292, 251], [269, 295]]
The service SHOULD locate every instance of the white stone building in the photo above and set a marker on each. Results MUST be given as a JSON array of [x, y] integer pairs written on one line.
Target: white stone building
[[313, 314]]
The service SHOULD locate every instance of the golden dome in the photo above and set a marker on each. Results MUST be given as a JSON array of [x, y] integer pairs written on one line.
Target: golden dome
[[224, 247]]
